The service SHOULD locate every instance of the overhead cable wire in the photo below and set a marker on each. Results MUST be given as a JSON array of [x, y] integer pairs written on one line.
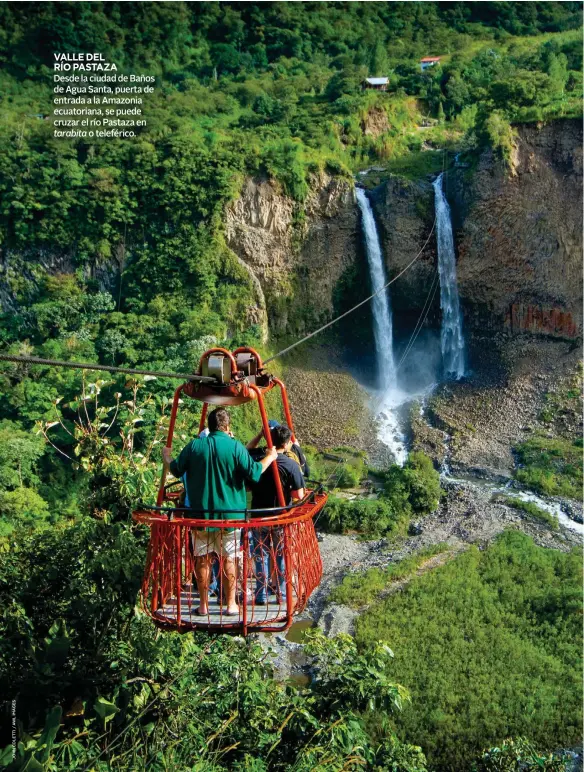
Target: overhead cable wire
[[190, 376], [106, 368], [422, 318], [417, 329], [203, 379]]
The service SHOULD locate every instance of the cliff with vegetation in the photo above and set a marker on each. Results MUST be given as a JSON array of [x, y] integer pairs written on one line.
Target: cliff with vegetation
[[517, 233], [297, 254]]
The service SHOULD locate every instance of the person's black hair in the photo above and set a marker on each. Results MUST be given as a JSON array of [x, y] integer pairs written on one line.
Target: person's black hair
[[281, 435], [218, 420]]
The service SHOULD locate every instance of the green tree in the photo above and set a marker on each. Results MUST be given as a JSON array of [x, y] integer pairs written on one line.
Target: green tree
[[558, 72], [20, 452], [22, 506], [379, 62], [499, 134], [422, 482]]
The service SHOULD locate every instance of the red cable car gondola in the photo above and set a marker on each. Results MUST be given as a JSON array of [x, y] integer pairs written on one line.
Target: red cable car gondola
[[169, 595]]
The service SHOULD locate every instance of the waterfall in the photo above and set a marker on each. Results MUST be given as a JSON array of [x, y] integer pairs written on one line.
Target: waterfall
[[451, 337], [389, 398], [382, 323]]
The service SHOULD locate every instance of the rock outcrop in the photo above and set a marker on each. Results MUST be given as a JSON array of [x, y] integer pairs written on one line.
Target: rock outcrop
[[404, 212], [519, 235], [297, 252], [375, 122]]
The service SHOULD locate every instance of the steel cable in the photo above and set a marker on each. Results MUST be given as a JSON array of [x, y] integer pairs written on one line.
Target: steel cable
[[93, 366], [203, 379]]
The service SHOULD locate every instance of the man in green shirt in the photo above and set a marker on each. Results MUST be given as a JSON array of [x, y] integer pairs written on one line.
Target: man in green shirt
[[216, 469]]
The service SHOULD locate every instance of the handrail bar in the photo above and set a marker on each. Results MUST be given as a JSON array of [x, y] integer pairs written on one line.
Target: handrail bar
[[308, 497], [144, 517], [180, 517]]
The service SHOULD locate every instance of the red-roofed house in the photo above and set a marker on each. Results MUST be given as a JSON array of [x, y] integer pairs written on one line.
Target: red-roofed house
[[429, 61]]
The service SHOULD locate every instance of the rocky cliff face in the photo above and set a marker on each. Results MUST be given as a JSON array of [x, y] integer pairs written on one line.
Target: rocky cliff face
[[297, 254], [519, 234], [404, 213]]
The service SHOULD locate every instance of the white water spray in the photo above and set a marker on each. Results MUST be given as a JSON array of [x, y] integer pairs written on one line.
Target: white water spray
[[389, 397], [451, 337]]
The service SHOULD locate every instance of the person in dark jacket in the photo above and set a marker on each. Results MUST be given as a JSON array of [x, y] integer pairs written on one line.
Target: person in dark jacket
[[295, 451], [268, 542]]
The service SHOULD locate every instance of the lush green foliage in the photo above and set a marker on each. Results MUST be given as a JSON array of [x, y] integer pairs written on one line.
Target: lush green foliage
[[417, 481], [489, 645], [20, 454], [337, 468], [360, 589], [413, 489], [370, 517], [126, 697], [517, 754], [551, 465]]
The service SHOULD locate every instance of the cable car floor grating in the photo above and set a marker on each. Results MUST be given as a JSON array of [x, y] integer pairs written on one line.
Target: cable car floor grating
[[256, 613]]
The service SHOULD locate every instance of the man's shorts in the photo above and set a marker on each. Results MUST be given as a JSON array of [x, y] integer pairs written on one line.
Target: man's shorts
[[225, 542]]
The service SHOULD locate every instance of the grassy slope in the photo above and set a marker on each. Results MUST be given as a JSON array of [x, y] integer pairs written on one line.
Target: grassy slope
[[489, 645]]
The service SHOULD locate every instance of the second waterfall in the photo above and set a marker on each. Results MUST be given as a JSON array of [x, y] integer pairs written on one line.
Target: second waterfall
[[451, 337]]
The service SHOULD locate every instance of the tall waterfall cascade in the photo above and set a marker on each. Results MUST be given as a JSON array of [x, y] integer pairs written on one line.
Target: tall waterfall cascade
[[382, 321], [451, 336], [389, 397]]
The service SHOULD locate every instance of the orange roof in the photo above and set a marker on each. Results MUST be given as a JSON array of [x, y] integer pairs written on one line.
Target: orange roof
[[431, 59]]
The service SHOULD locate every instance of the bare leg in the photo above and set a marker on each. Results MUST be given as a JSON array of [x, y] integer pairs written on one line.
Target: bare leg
[[230, 574], [203, 573]]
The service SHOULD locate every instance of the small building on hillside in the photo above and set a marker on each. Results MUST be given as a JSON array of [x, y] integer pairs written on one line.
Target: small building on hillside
[[379, 84], [429, 61]]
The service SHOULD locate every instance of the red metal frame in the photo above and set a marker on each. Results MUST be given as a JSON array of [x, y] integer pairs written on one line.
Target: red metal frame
[[170, 559], [167, 573], [173, 412], [249, 350], [286, 406]]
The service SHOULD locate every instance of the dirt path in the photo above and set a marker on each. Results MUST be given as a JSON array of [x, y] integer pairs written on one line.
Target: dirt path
[[428, 565]]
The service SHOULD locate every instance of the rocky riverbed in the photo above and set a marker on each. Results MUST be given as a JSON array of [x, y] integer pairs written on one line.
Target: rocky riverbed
[[476, 423]]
